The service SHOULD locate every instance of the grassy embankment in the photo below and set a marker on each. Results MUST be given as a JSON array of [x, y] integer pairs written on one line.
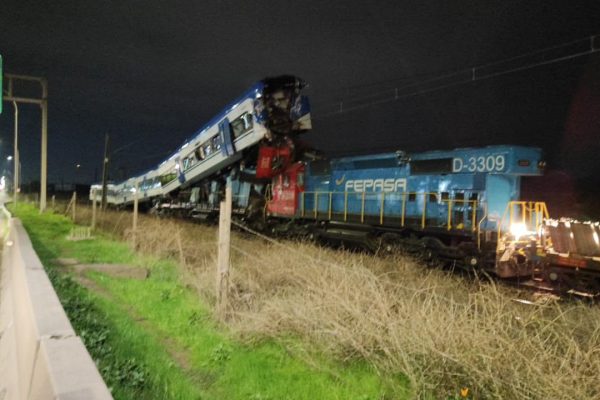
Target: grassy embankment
[[154, 339], [439, 331]]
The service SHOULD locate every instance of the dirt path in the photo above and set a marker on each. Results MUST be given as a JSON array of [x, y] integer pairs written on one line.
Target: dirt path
[[79, 274]]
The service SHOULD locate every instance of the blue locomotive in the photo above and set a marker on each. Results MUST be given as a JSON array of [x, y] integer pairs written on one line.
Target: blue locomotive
[[445, 204]]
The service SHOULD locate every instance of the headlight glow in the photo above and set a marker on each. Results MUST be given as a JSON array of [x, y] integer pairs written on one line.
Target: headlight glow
[[518, 230]]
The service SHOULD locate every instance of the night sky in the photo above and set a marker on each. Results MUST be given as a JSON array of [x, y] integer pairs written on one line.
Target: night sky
[[149, 73]]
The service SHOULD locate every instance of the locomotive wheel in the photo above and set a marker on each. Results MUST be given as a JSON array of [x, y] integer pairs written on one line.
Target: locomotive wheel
[[429, 248], [313, 236], [430, 257], [563, 281], [389, 243], [471, 262]]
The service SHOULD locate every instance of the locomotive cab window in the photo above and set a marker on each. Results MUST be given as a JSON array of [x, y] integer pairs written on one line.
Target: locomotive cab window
[[435, 166], [433, 197], [445, 196], [412, 196]]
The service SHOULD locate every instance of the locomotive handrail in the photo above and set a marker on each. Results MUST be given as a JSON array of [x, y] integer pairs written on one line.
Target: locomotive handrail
[[528, 209], [474, 226], [381, 197], [483, 218], [362, 207]]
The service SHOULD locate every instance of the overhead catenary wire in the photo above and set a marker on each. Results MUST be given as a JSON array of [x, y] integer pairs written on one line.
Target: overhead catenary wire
[[434, 75], [585, 46]]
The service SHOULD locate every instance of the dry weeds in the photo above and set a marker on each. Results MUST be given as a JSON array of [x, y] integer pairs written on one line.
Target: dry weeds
[[440, 331]]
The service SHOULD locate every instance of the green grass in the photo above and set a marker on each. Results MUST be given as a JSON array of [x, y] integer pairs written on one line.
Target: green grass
[[153, 339]]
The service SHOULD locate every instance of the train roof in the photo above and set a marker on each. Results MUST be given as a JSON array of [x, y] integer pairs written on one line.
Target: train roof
[[433, 154], [253, 92]]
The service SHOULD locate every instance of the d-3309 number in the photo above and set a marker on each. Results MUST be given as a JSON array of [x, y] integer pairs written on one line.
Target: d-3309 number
[[493, 163]]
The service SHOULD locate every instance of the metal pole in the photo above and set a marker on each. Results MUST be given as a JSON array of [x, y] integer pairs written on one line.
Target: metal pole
[[104, 172], [135, 212], [44, 166], [74, 209], [43, 102], [93, 209], [16, 157]]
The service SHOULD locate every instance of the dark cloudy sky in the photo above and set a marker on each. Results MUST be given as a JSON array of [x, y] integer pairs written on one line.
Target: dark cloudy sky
[[152, 72]]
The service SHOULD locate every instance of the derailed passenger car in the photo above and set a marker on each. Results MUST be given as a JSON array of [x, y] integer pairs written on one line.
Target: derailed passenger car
[[260, 125]]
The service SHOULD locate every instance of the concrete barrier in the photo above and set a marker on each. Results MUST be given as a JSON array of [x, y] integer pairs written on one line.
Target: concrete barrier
[[41, 357]]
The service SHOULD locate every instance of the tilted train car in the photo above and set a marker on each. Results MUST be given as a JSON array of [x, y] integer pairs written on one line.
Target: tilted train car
[[447, 205], [260, 124]]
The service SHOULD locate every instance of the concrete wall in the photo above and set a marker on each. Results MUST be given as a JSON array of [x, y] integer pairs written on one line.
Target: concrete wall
[[41, 357]]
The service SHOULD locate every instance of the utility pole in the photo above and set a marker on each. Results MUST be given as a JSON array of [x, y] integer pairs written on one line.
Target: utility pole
[[105, 173], [16, 176], [44, 173], [43, 103], [136, 197], [93, 209], [74, 203]]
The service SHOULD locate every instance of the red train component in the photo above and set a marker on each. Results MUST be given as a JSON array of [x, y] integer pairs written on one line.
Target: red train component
[[285, 191], [273, 159]]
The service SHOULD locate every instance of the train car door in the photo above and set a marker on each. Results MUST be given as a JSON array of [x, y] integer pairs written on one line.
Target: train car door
[[227, 148]]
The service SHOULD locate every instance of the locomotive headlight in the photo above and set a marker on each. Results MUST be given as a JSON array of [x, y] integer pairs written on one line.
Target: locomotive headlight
[[518, 230]]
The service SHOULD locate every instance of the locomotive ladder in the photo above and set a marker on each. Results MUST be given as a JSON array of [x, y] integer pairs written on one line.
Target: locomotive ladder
[[531, 214]]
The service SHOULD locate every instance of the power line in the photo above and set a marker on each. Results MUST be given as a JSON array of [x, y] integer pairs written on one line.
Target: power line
[[585, 46]]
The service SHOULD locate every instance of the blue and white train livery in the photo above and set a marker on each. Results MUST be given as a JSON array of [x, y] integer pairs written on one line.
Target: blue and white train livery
[[269, 115]]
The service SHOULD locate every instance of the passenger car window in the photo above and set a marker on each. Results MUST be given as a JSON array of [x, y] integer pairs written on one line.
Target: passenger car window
[[216, 143]]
